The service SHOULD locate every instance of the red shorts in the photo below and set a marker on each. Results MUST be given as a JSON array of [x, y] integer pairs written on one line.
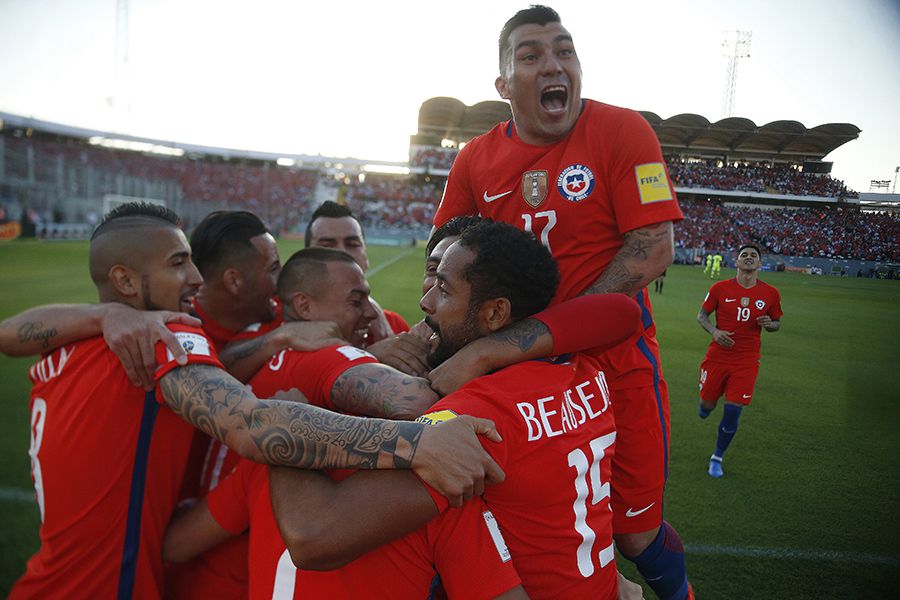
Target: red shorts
[[735, 382], [639, 465]]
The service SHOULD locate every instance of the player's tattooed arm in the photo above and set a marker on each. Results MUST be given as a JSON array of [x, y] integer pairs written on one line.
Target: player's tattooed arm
[[243, 359], [130, 334], [377, 390], [285, 433], [768, 323], [645, 253], [449, 457]]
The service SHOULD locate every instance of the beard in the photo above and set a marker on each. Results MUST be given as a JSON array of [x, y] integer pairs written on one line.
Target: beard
[[450, 339]]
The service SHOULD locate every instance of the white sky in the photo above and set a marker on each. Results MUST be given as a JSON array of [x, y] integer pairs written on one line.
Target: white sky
[[348, 78]]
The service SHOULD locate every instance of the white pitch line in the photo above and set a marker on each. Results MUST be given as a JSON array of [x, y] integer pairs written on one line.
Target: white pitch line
[[17, 495], [389, 262]]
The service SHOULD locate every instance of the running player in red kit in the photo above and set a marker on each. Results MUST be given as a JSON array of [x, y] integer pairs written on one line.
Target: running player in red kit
[[589, 181], [744, 306]]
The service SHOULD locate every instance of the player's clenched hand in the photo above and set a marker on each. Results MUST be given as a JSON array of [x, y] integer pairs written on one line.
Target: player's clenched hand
[[450, 458], [764, 321], [132, 335], [309, 336], [723, 338], [404, 352]]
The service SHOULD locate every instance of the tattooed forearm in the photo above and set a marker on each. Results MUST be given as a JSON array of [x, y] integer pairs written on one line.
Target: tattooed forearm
[[380, 391], [645, 253], [241, 350], [285, 433], [35, 331]]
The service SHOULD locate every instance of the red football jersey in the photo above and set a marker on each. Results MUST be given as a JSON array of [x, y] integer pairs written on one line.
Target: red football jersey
[[578, 196], [396, 321], [107, 463], [558, 438], [312, 373], [459, 545], [220, 573], [736, 309]]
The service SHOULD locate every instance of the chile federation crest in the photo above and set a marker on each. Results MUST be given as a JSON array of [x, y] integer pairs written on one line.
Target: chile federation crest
[[575, 183]]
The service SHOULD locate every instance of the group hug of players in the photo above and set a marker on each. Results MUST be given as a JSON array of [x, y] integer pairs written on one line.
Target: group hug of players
[[224, 425]]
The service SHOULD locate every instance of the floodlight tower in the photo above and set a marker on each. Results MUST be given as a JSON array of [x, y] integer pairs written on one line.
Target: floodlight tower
[[120, 101], [737, 46]]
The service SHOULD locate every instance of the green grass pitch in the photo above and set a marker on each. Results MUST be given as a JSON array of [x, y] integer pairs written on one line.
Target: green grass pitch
[[810, 502]]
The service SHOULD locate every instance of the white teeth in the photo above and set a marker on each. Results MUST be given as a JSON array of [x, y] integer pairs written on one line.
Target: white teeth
[[555, 88]]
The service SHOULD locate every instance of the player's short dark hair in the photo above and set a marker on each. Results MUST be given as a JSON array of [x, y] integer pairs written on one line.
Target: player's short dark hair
[[136, 214], [536, 14], [307, 269], [329, 210], [749, 245], [454, 226], [223, 238], [509, 263]]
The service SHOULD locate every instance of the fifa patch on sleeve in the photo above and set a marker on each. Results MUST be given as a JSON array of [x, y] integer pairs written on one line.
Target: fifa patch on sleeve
[[653, 183], [436, 418], [353, 353], [496, 535], [192, 344]]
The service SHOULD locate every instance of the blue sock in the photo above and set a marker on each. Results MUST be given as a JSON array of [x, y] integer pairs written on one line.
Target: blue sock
[[727, 428], [661, 565], [704, 412]]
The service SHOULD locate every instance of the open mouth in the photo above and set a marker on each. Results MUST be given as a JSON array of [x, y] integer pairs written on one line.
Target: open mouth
[[554, 98]]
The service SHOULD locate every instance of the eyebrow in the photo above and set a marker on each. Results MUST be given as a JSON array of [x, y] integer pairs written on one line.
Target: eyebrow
[[563, 37]]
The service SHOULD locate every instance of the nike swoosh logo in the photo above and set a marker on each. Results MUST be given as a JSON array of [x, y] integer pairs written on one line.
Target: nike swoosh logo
[[634, 513], [730, 299], [746, 396], [492, 198]]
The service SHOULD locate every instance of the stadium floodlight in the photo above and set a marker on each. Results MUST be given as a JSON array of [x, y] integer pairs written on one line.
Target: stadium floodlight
[[286, 162], [135, 146], [386, 169]]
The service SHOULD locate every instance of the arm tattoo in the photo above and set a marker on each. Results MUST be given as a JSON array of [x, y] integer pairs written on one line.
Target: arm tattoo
[[626, 273], [35, 331], [285, 433], [380, 391], [241, 350], [522, 335]]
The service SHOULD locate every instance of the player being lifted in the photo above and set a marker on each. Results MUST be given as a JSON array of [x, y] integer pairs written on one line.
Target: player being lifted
[[744, 306]]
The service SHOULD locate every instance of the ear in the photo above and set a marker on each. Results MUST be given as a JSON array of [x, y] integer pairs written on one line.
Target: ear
[[302, 305], [495, 314], [233, 280], [502, 89], [125, 281]]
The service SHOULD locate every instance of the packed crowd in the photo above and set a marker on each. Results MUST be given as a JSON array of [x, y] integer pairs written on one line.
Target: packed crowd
[[93, 171], [779, 179], [434, 158], [817, 232]]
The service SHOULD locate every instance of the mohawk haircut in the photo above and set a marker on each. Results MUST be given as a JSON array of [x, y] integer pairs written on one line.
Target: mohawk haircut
[[135, 214], [222, 238], [307, 271], [329, 210], [511, 264], [536, 14], [454, 226]]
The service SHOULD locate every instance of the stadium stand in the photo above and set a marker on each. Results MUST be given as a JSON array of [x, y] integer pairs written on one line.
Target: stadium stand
[[737, 182]]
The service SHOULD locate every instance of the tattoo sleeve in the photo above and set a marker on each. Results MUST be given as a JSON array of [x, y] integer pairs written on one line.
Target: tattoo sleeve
[[381, 391], [285, 433], [645, 253], [522, 335]]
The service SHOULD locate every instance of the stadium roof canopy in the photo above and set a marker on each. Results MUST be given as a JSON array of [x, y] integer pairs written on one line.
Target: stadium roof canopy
[[689, 134]]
